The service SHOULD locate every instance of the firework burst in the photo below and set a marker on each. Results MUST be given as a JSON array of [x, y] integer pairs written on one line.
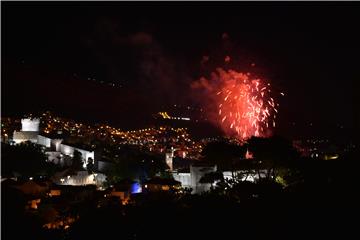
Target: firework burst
[[244, 104]]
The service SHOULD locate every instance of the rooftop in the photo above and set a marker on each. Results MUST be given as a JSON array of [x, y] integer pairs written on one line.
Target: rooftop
[[163, 181]]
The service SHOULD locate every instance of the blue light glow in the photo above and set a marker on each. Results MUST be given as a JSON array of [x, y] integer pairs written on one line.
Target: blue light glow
[[136, 188]]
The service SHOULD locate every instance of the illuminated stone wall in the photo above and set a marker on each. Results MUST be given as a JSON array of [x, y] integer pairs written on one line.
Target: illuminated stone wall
[[43, 141], [19, 137], [55, 157], [184, 178], [31, 125], [83, 178], [197, 172], [69, 150], [55, 144]]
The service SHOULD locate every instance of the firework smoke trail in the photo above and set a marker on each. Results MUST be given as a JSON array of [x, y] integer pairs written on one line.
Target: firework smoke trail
[[245, 107]]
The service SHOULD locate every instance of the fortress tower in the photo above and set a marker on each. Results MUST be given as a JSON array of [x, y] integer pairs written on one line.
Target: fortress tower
[[30, 125]]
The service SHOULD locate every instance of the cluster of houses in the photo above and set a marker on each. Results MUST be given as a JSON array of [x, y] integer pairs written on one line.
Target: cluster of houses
[[48, 196], [59, 152]]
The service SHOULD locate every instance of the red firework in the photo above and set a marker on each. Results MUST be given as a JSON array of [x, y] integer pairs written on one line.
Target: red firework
[[244, 104]]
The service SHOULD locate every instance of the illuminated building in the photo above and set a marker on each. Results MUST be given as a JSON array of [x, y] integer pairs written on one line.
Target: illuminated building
[[123, 190], [184, 177], [53, 143], [56, 149], [30, 125], [21, 136], [29, 131], [191, 177], [81, 178], [157, 184], [44, 141], [196, 173], [85, 154], [321, 149], [55, 157], [165, 115], [169, 158]]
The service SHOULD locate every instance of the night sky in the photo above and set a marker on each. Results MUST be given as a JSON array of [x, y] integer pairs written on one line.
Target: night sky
[[52, 52]]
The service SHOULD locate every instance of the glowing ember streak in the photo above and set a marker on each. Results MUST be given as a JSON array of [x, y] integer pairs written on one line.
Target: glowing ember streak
[[245, 107]]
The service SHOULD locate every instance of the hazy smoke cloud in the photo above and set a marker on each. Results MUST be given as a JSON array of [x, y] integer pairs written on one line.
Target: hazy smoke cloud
[[138, 61]]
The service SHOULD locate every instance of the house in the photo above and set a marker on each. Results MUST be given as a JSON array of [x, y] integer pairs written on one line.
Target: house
[[30, 191], [123, 190], [33, 203], [54, 191], [78, 178], [32, 188], [161, 184]]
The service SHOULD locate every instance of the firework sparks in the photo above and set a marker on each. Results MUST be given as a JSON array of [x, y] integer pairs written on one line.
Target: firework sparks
[[244, 105]]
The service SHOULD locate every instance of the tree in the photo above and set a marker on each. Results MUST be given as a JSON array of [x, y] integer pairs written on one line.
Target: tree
[[90, 166], [27, 159], [132, 163], [77, 161], [223, 154], [212, 177], [271, 154]]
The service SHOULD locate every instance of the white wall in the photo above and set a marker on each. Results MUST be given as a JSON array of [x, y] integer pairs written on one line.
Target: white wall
[[169, 160], [19, 137], [246, 175], [55, 143], [18, 141], [83, 178], [44, 141], [54, 157], [192, 178], [31, 125], [197, 172], [184, 178], [69, 150]]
